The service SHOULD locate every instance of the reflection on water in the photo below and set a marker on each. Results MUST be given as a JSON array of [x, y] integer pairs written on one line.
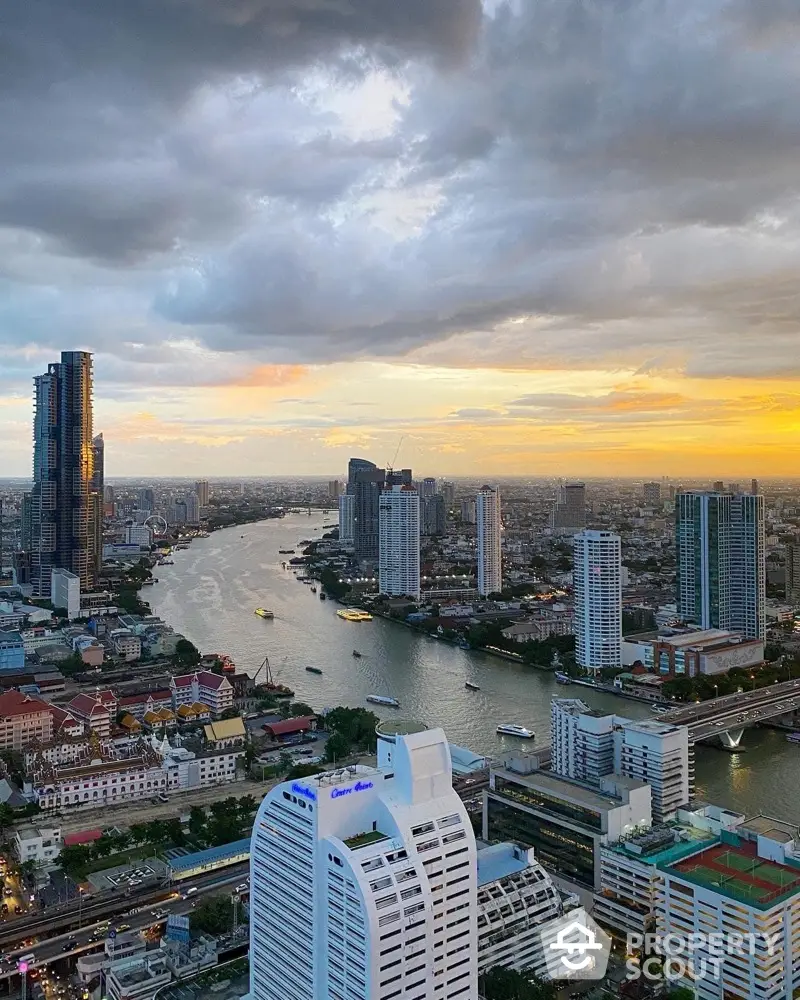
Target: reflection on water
[[211, 592]]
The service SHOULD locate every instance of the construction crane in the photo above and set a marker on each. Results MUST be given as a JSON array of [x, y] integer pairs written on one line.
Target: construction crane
[[390, 465]]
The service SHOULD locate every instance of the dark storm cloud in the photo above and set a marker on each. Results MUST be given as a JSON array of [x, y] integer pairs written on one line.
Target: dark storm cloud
[[618, 177]]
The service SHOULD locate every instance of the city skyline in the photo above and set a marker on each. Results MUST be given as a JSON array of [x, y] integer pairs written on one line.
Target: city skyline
[[283, 252]]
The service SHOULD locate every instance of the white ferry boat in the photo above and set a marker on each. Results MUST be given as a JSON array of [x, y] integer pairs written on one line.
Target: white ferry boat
[[381, 699], [509, 730]]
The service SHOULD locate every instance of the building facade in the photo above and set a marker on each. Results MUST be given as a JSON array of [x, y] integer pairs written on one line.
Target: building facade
[[347, 518], [201, 492], [721, 567], [489, 541], [23, 719], [597, 585], [212, 690], [399, 541], [12, 651], [363, 882], [569, 513], [65, 592], [365, 482], [63, 527], [433, 516], [652, 494]]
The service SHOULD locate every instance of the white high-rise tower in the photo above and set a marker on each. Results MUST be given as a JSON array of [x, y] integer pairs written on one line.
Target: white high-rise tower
[[490, 558], [398, 542], [597, 583], [363, 881]]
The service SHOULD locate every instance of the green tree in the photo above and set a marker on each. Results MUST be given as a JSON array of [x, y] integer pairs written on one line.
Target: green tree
[[186, 654], [303, 771], [299, 708], [357, 725], [214, 915], [499, 983], [74, 858], [336, 748], [27, 871], [138, 833], [6, 819], [197, 823]]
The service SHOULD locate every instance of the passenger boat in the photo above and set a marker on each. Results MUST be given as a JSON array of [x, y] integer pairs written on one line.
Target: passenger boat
[[658, 709], [472, 687], [793, 738], [510, 730], [356, 654], [562, 678], [264, 613], [313, 670], [286, 552], [354, 615], [380, 699]]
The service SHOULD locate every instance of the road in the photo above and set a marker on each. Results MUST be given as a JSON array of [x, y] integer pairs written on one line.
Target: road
[[91, 937], [736, 711]]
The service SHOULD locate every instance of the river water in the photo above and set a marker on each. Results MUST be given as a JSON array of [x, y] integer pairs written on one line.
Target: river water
[[211, 591]]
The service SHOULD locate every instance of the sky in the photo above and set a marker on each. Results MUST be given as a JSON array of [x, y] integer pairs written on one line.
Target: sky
[[558, 237]]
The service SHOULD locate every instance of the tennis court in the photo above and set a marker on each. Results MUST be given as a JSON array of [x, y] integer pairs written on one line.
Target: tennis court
[[742, 873]]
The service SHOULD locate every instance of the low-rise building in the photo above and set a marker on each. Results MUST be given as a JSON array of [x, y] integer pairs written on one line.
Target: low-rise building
[[693, 652], [204, 687], [540, 626], [226, 733], [138, 705], [138, 978], [40, 843], [65, 592], [97, 711], [12, 651], [126, 644], [23, 720]]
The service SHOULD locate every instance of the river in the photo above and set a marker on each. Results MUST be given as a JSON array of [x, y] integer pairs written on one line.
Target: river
[[211, 591]]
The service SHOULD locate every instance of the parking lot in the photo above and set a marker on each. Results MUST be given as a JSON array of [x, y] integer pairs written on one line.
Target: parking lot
[[129, 876]]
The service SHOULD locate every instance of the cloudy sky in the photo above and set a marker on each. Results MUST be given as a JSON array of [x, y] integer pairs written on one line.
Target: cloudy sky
[[535, 236]]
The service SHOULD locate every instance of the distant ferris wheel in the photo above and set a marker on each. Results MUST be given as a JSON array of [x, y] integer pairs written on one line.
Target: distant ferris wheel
[[158, 525]]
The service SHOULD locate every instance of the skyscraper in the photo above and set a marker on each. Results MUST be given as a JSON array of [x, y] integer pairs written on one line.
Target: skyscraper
[[449, 494], [346, 518], [399, 477], [364, 881], [334, 489], [721, 570], [432, 515], [597, 585], [490, 556], [428, 487], [398, 559], [98, 491], [754, 487], [365, 482], [192, 508], [201, 491], [63, 530], [569, 513], [652, 494], [146, 499], [792, 572]]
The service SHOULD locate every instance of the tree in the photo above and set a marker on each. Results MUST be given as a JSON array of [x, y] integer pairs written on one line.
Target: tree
[[6, 819], [357, 725], [197, 822], [186, 654], [74, 858], [337, 747], [299, 708], [214, 916], [303, 771], [506, 984], [27, 871], [138, 833]]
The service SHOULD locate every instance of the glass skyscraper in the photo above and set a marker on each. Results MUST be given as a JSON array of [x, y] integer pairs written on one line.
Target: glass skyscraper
[[63, 520]]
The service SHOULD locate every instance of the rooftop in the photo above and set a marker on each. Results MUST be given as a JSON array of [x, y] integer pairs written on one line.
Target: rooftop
[[210, 855], [733, 868], [500, 861], [14, 703], [364, 839], [574, 791]]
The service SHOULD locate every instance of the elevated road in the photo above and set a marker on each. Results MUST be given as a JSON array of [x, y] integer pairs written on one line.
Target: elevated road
[[727, 717]]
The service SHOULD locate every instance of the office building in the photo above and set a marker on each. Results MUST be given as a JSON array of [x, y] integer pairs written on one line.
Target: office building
[[597, 585], [754, 490], [192, 505], [201, 492], [334, 489], [146, 500], [721, 568], [449, 494], [65, 592], [516, 897], [399, 477], [347, 518], [569, 513], [365, 481], [564, 820], [108, 494], [718, 486], [692, 652], [793, 573], [745, 883], [139, 534], [63, 525], [468, 510], [652, 494], [490, 526], [428, 488], [588, 745], [364, 881], [98, 491], [433, 518], [176, 512], [398, 551]]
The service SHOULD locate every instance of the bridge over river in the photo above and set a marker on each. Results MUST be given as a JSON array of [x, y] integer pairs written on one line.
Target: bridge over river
[[727, 717]]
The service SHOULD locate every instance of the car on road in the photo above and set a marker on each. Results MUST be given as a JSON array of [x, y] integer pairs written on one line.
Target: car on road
[[123, 927], [69, 944], [163, 798], [243, 887], [158, 914]]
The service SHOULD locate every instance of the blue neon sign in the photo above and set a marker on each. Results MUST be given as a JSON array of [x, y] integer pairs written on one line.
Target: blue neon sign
[[359, 786], [307, 793]]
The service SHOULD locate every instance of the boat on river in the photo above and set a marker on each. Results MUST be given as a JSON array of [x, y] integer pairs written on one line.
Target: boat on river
[[313, 670], [354, 615], [264, 613], [471, 686], [510, 730], [562, 678], [382, 699], [793, 738], [356, 654]]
